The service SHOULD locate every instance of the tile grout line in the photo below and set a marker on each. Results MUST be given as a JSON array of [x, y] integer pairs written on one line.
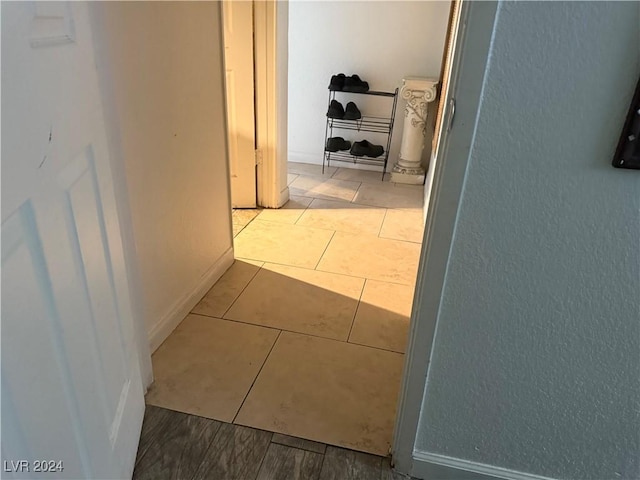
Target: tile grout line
[[355, 314], [386, 210], [406, 284], [272, 222], [296, 332], [256, 378], [269, 327], [238, 233], [325, 250], [325, 271], [351, 232], [365, 278], [327, 197], [298, 447], [245, 322], [356, 193], [383, 206], [242, 291], [245, 209], [304, 211], [376, 348], [392, 240], [400, 240]]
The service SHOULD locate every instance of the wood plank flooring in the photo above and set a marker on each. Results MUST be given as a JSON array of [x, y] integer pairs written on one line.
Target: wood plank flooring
[[178, 446]]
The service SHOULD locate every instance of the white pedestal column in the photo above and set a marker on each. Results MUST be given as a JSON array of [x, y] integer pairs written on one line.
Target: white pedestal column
[[418, 93]]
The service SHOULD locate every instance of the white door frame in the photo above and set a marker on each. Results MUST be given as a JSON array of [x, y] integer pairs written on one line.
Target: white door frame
[[238, 34], [450, 165], [271, 56]]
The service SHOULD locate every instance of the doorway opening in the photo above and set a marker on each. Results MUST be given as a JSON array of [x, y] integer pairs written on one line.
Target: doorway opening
[[305, 334]]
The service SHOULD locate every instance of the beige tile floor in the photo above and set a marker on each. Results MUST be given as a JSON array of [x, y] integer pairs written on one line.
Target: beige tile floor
[[305, 334]]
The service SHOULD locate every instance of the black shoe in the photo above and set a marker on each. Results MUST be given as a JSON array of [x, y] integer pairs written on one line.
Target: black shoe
[[335, 110], [337, 143], [364, 148], [352, 112], [354, 84], [337, 82]]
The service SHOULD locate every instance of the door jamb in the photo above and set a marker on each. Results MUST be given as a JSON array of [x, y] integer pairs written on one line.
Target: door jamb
[[270, 47], [471, 56]]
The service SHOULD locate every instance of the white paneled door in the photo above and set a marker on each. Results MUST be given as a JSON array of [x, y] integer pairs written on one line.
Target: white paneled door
[[72, 399], [238, 59]]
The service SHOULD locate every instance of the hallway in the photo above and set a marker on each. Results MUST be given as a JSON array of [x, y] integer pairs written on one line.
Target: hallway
[[305, 334]]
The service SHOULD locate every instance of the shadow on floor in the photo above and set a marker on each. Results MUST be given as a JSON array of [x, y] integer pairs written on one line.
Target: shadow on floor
[[290, 350]]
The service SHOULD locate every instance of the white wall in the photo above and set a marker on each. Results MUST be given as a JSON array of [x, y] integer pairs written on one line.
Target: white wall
[[163, 69], [535, 365], [382, 42]]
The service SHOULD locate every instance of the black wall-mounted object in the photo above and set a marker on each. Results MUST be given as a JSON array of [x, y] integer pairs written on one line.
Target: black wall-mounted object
[[628, 151]]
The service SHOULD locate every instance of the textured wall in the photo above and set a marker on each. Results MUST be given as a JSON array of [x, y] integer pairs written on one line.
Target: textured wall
[[536, 360], [380, 41]]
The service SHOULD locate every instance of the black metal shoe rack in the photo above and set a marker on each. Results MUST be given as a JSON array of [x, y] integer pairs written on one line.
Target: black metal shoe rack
[[365, 124]]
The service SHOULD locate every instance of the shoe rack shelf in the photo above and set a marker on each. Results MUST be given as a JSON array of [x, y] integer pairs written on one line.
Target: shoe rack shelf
[[366, 124]]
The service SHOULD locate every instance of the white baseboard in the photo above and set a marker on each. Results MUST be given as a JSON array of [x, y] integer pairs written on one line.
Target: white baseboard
[[316, 159], [279, 200], [305, 157], [440, 467], [362, 166], [284, 197], [185, 304]]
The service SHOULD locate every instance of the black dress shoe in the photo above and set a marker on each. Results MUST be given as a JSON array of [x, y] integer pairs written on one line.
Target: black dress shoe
[[337, 143], [337, 82], [336, 110], [364, 148], [352, 112], [354, 84]]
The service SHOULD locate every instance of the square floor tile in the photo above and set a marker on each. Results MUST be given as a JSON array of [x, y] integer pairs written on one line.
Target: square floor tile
[[291, 177], [371, 257], [280, 243], [310, 169], [300, 300], [360, 175], [390, 196], [290, 212], [218, 300], [327, 391], [403, 224], [243, 216], [321, 187], [343, 217], [207, 365], [382, 320]]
